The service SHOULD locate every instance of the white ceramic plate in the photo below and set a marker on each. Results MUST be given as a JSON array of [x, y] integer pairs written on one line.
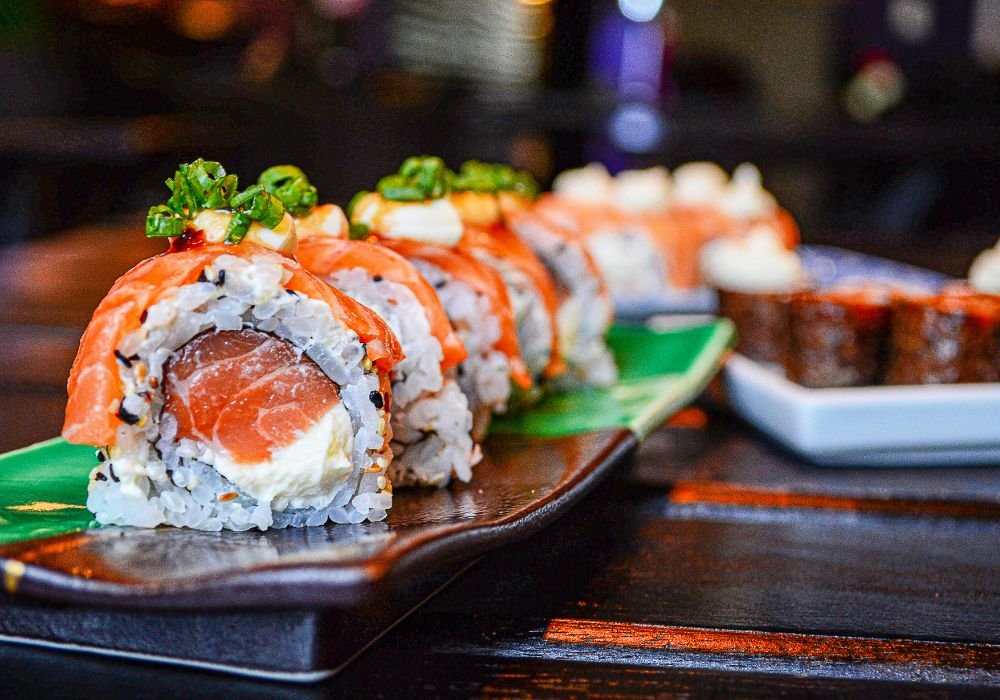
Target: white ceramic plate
[[825, 265], [887, 426]]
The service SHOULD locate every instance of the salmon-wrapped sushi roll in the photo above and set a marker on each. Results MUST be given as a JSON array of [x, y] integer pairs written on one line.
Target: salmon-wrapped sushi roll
[[529, 284], [411, 214], [431, 421], [224, 386], [634, 261], [706, 203], [498, 204]]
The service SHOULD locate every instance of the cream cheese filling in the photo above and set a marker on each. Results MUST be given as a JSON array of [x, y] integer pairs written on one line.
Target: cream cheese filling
[[303, 474]]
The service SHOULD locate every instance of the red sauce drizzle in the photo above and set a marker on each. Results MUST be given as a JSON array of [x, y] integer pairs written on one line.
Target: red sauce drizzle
[[191, 238]]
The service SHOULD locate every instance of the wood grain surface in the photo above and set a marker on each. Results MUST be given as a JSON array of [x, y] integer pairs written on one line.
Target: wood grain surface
[[718, 566]]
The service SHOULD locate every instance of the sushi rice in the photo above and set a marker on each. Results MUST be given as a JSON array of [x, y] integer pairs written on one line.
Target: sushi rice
[[584, 314], [484, 376], [431, 420], [534, 325], [149, 477]]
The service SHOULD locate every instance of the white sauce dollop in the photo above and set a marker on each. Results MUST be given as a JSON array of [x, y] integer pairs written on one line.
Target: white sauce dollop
[[213, 224], [745, 197], [436, 221], [757, 262], [642, 191], [305, 473], [324, 220], [984, 275], [699, 184], [590, 184]]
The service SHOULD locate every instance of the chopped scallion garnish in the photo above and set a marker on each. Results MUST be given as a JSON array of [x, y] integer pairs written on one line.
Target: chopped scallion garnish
[[202, 185], [475, 176], [161, 222], [419, 177], [289, 184], [238, 227]]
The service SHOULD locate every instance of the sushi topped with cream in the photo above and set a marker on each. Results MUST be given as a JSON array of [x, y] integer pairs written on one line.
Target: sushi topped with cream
[[509, 226], [226, 387], [431, 420]]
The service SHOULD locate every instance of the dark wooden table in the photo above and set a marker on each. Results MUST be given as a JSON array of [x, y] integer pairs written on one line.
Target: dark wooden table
[[715, 564]]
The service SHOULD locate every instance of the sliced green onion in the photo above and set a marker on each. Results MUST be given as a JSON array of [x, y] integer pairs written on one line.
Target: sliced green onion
[[525, 184], [398, 188], [200, 185], [358, 232], [419, 177], [161, 222], [267, 209], [259, 205], [245, 197], [289, 184], [475, 176], [238, 227]]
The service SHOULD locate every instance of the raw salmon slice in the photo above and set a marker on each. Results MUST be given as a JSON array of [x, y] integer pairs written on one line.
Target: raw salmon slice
[[246, 392], [94, 386]]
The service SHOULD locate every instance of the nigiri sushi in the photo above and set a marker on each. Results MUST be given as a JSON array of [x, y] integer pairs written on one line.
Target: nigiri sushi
[[226, 387]]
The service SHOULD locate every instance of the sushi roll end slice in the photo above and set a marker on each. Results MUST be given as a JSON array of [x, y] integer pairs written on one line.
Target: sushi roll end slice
[[225, 386]]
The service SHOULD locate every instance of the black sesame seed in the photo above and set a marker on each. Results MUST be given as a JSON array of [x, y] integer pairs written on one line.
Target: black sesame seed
[[111, 471], [143, 316], [99, 476], [101, 457], [202, 277], [439, 285], [124, 360], [170, 474], [377, 278], [222, 278], [376, 398], [292, 292], [125, 417]]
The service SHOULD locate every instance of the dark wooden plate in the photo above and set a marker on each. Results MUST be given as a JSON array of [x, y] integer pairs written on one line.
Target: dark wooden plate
[[322, 593], [205, 599], [525, 483]]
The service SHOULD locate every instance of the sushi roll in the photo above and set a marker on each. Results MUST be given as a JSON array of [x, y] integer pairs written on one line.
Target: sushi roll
[[531, 288], [224, 386], [583, 308], [755, 277], [838, 336], [411, 214], [706, 203], [946, 338], [633, 260], [431, 421]]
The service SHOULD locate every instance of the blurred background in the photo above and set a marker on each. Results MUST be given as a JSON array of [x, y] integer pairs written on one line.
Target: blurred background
[[877, 122]]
